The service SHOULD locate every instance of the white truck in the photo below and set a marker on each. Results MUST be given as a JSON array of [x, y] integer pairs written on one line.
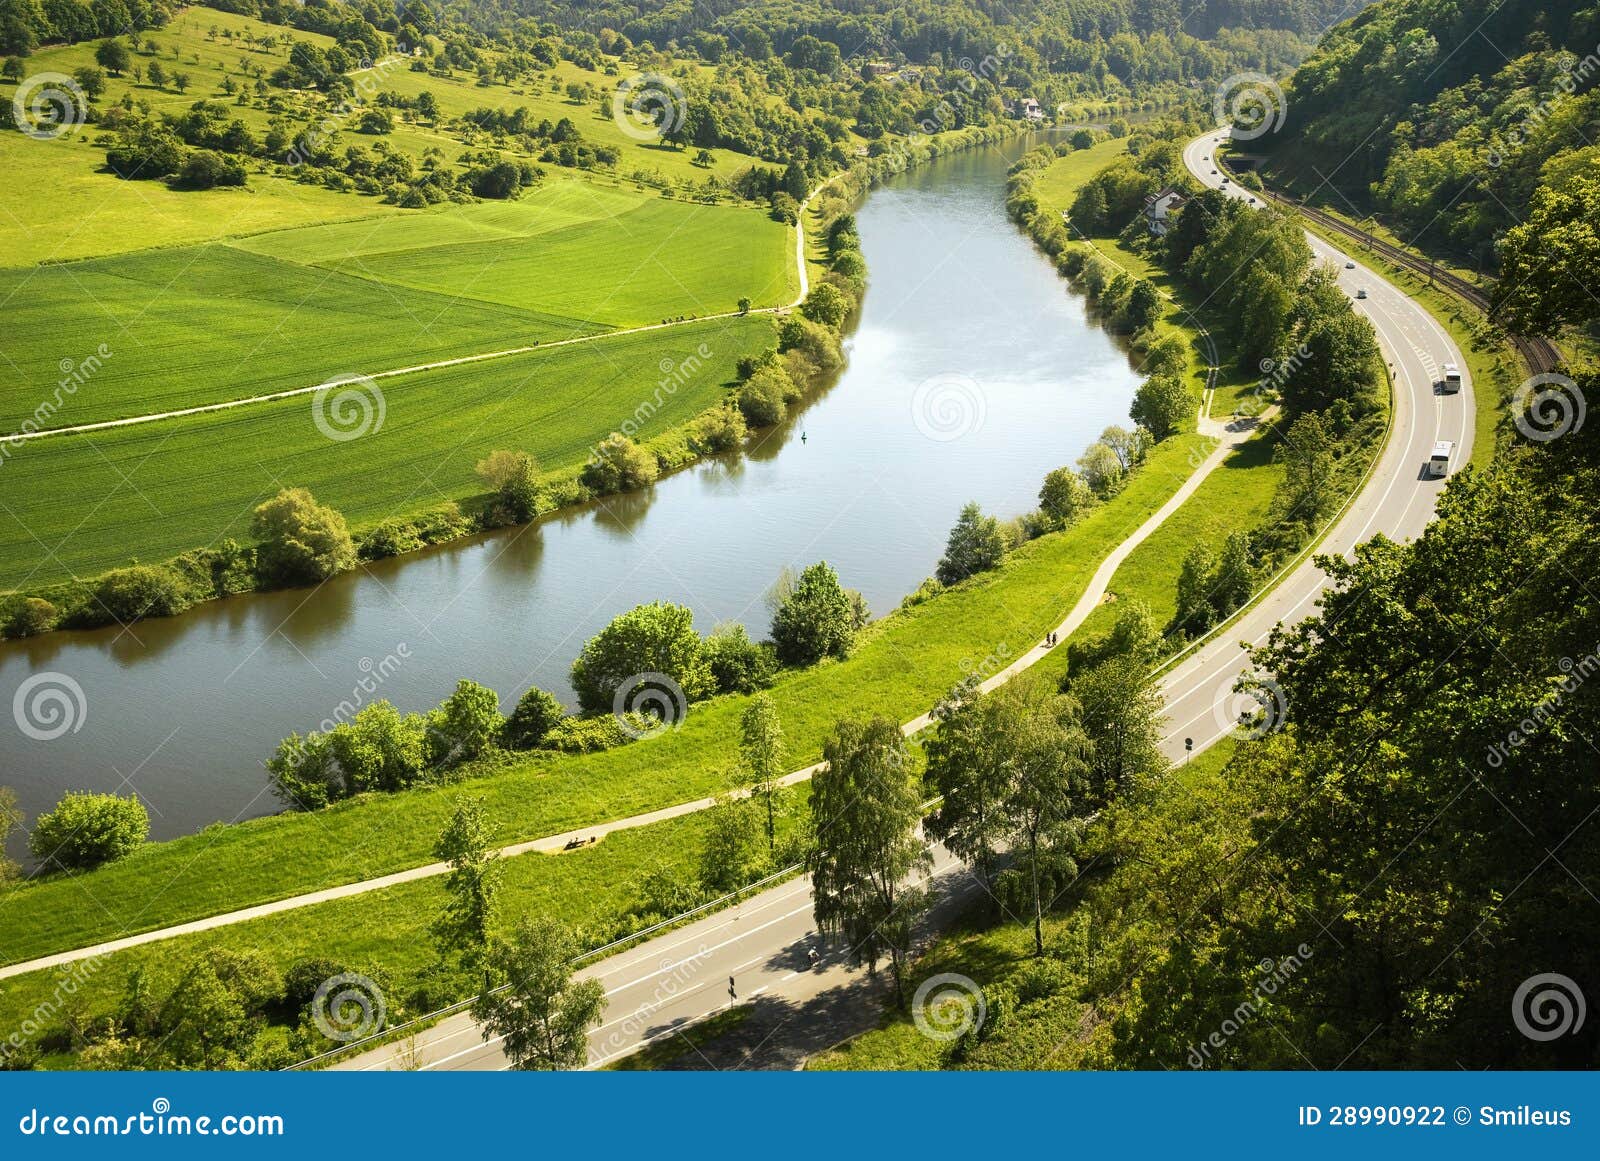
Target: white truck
[[1439, 462], [1451, 384]]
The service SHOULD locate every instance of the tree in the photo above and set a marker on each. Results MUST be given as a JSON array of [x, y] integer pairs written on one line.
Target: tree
[[87, 829], [211, 1015], [657, 638], [1122, 715], [1064, 497], [1235, 578], [380, 748], [301, 541], [815, 620], [1101, 470], [762, 749], [619, 465], [157, 74], [865, 849], [1547, 263], [1307, 455], [1049, 756], [536, 714], [180, 81], [969, 770], [1341, 363], [471, 884], [13, 70], [513, 476], [465, 724], [976, 545], [113, 56], [826, 304], [1143, 307], [1194, 611], [1162, 404], [731, 853], [91, 80], [540, 1015]]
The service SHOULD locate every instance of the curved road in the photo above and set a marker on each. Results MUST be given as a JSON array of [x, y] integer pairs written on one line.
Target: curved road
[[1398, 499]]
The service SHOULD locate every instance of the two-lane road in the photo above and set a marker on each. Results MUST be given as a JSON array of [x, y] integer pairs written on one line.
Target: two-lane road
[[1398, 499]]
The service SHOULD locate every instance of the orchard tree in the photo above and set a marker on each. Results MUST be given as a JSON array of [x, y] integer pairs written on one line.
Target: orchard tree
[[540, 1014], [113, 56]]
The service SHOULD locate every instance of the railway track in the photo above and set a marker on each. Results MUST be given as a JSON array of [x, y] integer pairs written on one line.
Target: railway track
[[1541, 355]]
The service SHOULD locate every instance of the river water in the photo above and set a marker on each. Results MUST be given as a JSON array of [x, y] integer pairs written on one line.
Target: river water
[[972, 372]]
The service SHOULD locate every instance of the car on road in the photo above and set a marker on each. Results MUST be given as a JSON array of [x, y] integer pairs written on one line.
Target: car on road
[[1224, 181], [1439, 462], [1349, 265], [1362, 293], [1451, 383]]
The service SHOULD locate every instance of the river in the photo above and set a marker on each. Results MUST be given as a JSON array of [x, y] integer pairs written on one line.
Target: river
[[972, 372]]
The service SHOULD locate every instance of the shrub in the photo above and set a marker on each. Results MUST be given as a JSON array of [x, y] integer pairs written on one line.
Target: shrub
[[301, 541], [32, 615], [976, 545], [144, 590], [719, 430], [379, 749], [305, 773], [537, 713], [657, 638], [619, 465], [574, 735], [827, 305], [761, 399], [816, 619], [513, 477], [738, 664], [206, 170], [85, 830], [464, 725]]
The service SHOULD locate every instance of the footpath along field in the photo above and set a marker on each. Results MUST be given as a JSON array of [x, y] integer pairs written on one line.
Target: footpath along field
[[203, 324], [162, 488]]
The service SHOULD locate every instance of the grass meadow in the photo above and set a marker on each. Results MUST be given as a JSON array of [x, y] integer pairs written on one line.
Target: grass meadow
[[162, 488]]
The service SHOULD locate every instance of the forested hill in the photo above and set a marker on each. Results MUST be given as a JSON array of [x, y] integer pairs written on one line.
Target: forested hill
[[1447, 115], [1089, 37]]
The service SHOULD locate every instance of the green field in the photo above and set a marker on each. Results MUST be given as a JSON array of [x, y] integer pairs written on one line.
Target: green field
[[162, 488], [203, 324]]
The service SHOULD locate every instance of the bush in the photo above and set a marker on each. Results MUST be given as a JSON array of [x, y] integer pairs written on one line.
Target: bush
[[85, 830], [738, 664], [537, 713], [513, 477], [816, 619], [1064, 496], [619, 465], [827, 305], [573, 735], [301, 541], [207, 170], [304, 772], [379, 749], [145, 590], [657, 638], [464, 725], [761, 399], [32, 615], [719, 430]]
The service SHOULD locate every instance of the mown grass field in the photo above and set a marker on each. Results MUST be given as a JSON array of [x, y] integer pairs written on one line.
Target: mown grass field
[[161, 488], [905, 662], [203, 324]]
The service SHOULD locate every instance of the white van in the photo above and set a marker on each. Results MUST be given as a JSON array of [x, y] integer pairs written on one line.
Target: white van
[[1452, 379], [1439, 462]]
